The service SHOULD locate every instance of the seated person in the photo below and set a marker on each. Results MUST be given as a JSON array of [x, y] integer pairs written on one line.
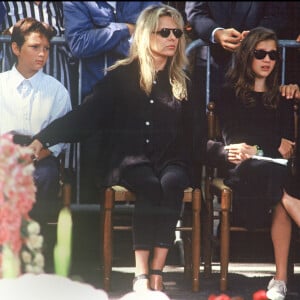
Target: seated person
[[31, 99], [256, 120], [149, 121]]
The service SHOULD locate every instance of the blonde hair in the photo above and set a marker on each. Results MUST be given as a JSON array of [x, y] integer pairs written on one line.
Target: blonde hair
[[146, 24]]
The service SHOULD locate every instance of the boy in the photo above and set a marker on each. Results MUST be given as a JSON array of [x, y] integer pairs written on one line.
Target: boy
[[30, 99]]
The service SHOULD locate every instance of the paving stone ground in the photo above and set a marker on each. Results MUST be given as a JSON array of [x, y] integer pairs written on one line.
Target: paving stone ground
[[250, 269]]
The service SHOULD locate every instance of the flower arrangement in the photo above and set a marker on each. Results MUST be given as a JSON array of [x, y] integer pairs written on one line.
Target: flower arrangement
[[32, 259], [20, 241]]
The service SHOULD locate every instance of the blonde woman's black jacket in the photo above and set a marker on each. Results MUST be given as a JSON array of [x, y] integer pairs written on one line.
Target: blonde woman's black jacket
[[156, 129]]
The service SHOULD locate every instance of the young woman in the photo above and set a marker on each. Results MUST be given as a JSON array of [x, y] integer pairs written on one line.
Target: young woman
[[143, 104], [256, 120]]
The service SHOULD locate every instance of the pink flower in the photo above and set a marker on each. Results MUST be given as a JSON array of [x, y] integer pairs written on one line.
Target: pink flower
[[17, 191], [260, 295]]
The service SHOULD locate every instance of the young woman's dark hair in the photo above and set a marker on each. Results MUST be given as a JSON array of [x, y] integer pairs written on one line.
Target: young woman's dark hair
[[241, 75]]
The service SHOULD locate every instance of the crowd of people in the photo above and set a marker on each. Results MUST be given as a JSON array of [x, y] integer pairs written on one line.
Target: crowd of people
[[141, 114]]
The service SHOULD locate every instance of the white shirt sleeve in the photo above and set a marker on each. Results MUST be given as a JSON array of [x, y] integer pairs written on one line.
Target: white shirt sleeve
[[212, 38]]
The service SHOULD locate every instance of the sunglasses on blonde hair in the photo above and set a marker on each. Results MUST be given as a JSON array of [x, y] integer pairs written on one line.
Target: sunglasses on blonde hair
[[165, 32]]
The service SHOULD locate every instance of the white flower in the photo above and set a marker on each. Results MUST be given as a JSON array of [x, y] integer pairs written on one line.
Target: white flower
[[33, 227], [29, 268], [39, 260], [34, 242], [26, 257], [37, 270]]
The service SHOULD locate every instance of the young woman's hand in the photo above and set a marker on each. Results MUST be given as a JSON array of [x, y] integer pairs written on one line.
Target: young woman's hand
[[290, 91], [240, 152], [286, 148]]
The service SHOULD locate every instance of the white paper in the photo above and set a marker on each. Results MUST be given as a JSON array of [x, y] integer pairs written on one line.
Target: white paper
[[280, 161]]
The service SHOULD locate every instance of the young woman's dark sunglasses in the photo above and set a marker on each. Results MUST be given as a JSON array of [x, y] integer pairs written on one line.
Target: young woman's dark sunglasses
[[165, 32], [261, 54]]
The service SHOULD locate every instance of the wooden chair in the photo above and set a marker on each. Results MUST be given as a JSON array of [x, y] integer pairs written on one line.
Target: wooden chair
[[119, 194], [215, 188]]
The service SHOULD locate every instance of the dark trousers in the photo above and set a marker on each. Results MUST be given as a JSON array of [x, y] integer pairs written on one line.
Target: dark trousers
[[158, 204], [46, 178]]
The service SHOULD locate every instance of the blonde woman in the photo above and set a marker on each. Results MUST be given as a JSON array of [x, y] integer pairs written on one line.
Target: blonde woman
[[143, 104]]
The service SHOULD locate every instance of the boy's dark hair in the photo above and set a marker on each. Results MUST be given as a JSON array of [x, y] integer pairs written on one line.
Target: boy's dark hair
[[28, 25]]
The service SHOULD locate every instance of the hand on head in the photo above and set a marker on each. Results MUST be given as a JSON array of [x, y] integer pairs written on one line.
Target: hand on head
[[244, 33], [229, 39]]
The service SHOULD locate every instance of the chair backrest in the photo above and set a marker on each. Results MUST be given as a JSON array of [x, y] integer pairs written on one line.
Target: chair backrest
[[214, 132], [293, 163], [213, 169]]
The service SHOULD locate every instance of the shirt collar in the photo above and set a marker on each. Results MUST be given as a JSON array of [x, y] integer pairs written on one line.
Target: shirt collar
[[19, 78], [113, 4]]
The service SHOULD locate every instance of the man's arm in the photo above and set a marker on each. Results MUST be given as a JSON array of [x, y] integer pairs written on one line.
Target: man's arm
[[89, 33], [199, 17], [206, 27]]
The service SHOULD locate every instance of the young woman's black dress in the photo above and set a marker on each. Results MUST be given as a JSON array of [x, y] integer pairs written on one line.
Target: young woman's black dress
[[257, 185]]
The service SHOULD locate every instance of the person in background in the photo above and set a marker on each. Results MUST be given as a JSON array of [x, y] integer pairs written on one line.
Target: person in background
[[223, 24], [255, 120], [2, 11], [293, 33], [98, 33], [61, 65], [31, 99], [148, 118], [51, 13]]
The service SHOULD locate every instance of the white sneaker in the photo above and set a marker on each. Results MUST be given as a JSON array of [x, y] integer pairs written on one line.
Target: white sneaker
[[276, 290]]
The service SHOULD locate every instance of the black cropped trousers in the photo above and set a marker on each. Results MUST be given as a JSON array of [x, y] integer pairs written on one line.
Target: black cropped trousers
[[158, 203]]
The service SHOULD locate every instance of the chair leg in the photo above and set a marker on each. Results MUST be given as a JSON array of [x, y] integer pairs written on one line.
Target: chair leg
[[66, 194], [107, 237], [208, 231], [196, 239], [225, 238], [187, 241]]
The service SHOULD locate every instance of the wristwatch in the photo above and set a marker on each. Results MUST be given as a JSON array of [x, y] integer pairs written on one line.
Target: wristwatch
[[259, 151]]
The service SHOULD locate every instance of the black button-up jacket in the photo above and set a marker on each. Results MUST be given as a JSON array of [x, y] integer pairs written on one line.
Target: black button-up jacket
[[155, 129]]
